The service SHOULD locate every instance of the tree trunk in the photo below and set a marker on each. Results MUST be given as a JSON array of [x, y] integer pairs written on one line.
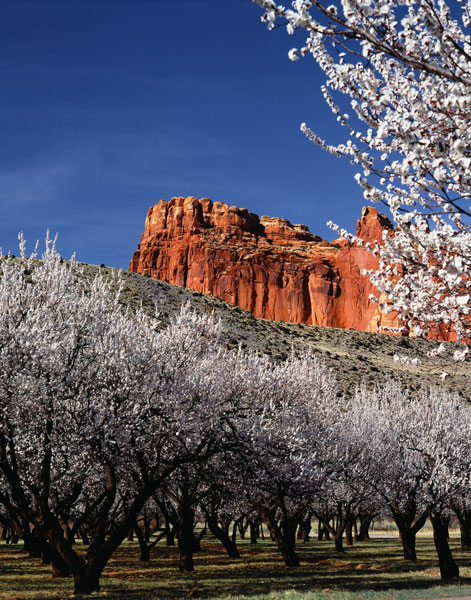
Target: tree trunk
[[59, 567], [146, 525], [304, 529], [299, 533], [86, 582], [144, 550], [68, 533], [254, 530], [465, 530], [242, 527], [84, 536], [170, 533], [187, 542], [33, 545], [356, 534], [339, 540], [284, 537], [448, 567], [320, 531], [288, 527], [349, 533], [337, 529], [364, 533], [323, 532], [39, 547], [464, 519], [407, 537], [408, 530], [221, 534]]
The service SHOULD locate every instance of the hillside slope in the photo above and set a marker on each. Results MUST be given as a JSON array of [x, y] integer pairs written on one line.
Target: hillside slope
[[354, 356]]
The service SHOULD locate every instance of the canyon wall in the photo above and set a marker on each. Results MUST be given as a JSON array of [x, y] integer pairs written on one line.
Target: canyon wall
[[267, 266]]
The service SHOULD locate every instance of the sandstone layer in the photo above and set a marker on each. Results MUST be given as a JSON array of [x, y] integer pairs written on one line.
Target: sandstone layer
[[267, 266]]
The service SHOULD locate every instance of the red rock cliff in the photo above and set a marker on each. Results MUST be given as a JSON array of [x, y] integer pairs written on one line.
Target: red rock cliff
[[265, 265]]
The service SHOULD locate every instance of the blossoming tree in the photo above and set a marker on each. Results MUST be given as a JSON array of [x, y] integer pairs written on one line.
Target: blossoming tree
[[398, 79], [98, 407], [418, 457]]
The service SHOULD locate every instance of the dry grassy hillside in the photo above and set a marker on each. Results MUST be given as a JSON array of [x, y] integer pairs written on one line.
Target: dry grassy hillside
[[354, 356]]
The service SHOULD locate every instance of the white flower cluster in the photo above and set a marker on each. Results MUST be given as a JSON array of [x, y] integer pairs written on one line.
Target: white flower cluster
[[406, 68]]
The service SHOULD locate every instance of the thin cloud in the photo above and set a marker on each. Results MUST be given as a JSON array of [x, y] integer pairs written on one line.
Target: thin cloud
[[26, 186], [177, 84]]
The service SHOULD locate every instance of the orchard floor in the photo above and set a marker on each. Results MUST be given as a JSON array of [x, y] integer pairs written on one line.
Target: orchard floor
[[370, 570]]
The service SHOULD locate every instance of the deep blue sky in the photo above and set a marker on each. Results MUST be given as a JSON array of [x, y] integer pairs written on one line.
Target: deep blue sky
[[107, 106]]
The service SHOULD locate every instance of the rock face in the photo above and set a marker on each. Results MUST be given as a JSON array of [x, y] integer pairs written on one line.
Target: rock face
[[267, 266]]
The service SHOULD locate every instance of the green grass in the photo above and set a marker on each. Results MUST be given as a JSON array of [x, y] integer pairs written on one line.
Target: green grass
[[372, 570]]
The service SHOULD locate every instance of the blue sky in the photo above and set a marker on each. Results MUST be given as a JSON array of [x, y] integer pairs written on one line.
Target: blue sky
[[107, 106]]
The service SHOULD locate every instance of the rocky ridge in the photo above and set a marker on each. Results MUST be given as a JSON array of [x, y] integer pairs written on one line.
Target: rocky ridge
[[266, 266]]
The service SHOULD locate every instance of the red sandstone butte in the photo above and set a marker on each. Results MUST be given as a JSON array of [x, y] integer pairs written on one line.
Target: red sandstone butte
[[267, 266]]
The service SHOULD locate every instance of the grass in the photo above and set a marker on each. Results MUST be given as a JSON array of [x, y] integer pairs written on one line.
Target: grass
[[370, 570]]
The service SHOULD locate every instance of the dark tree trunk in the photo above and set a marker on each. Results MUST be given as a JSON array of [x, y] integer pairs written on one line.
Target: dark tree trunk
[[304, 529], [284, 536], [146, 527], [349, 533], [364, 532], [254, 532], [448, 567], [325, 531], [288, 527], [33, 545], [299, 533], [221, 533], [170, 519], [242, 527], [170, 533], [187, 542], [186, 563], [408, 531], [84, 536], [338, 539], [39, 547], [356, 534], [407, 537], [464, 519], [86, 582], [144, 550], [337, 528], [446, 521], [68, 533], [59, 567], [320, 531]]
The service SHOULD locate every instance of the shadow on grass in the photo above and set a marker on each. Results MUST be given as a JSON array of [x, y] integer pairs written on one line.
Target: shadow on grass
[[374, 566]]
